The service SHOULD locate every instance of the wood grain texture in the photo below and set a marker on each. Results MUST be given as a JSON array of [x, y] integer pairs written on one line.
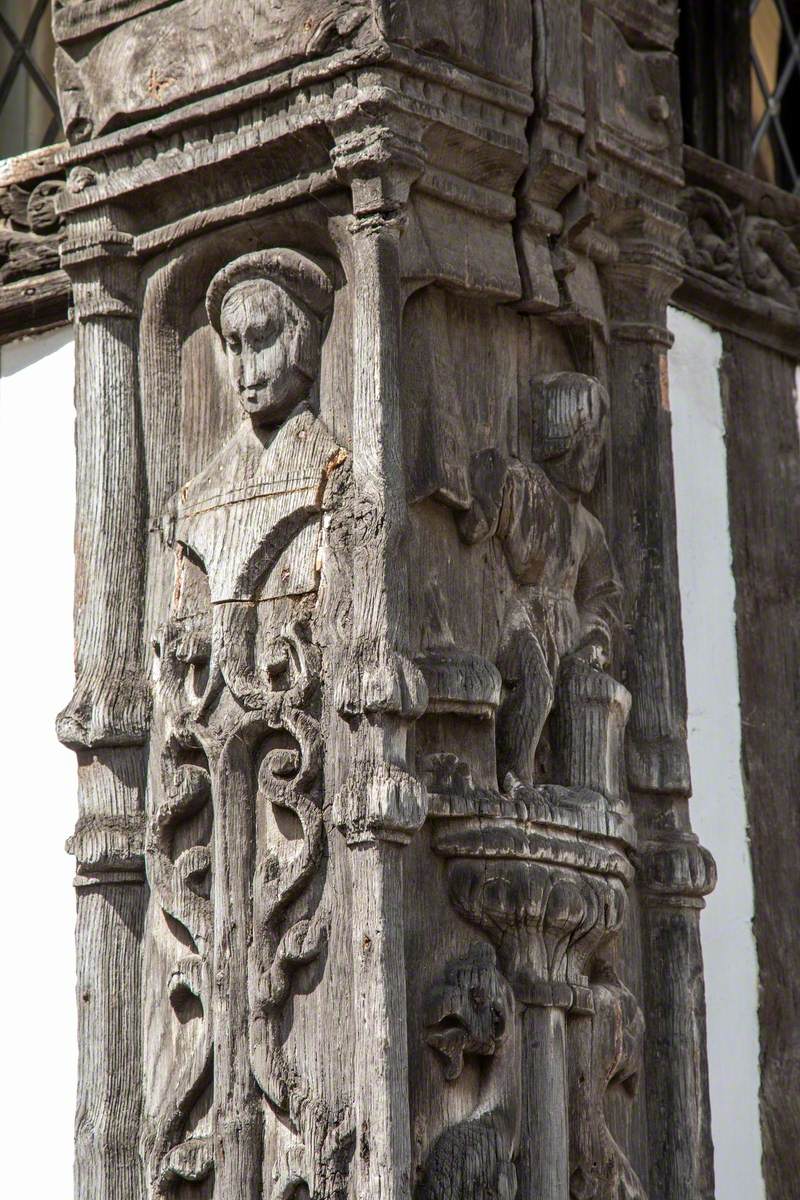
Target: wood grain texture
[[368, 392], [764, 486], [107, 1120]]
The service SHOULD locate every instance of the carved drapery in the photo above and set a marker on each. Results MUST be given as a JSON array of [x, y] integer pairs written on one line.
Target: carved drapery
[[373, 660]]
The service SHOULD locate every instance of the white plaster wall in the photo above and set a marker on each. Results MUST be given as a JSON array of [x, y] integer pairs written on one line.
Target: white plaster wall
[[718, 806], [37, 1001]]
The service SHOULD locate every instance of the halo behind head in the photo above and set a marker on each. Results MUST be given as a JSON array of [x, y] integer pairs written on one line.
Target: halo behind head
[[302, 277]]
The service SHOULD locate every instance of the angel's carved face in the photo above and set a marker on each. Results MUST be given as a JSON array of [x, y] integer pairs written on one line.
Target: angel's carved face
[[272, 347]]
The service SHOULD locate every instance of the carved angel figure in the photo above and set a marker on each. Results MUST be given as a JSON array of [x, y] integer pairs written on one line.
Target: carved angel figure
[[567, 594]]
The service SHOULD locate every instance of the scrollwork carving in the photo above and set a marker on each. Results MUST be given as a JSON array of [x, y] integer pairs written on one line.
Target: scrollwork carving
[[288, 778], [748, 251], [180, 880], [238, 702]]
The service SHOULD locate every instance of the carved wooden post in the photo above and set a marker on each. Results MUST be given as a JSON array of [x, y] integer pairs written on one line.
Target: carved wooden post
[[383, 803], [107, 718], [675, 871], [382, 800]]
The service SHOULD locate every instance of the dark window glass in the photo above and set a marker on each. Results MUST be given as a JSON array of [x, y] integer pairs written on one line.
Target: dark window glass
[[775, 91], [28, 107]]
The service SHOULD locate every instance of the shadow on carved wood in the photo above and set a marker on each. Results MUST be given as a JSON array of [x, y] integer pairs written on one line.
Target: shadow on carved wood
[[369, 286], [238, 704]]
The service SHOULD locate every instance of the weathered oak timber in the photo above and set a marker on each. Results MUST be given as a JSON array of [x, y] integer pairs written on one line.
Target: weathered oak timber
[[714, 52], [766, 567], [375, 542]]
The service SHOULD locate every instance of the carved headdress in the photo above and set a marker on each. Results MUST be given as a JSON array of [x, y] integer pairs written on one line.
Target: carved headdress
[[302, 277], [562, 405]]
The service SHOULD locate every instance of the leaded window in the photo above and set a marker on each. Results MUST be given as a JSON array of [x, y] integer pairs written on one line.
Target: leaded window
[[775, 91], [29, 116]]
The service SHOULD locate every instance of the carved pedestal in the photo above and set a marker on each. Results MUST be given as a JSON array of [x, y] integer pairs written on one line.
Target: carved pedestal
[[549, 901]]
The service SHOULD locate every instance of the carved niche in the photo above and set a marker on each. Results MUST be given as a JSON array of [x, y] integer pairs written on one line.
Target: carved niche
[[559, 717], [237, 742]]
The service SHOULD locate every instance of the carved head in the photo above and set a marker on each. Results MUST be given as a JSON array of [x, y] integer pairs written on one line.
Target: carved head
[[270, 308], [570, 421]]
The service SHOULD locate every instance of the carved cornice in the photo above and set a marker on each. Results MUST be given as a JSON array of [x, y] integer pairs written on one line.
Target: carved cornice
[[34, 292], [604, 155], [741, 250], [118, 59], [274, 138]]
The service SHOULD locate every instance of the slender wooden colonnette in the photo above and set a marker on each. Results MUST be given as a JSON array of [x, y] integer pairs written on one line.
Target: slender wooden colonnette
[[387, 880]]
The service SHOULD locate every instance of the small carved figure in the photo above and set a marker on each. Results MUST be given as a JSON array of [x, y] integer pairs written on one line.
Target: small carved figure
[[567, 597], [472, 1013], [604, 1055]]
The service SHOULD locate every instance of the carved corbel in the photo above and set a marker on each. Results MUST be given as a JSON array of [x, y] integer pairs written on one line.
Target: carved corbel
[[579, 255]]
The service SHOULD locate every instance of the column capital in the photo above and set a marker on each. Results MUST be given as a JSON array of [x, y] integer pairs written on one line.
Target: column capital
[[675, 871], [379, 156]]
